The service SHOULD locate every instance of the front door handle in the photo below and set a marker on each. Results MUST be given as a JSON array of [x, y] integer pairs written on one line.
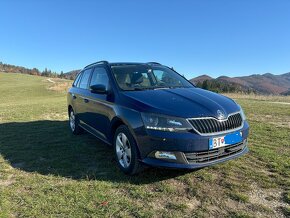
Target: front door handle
[[86, 100]]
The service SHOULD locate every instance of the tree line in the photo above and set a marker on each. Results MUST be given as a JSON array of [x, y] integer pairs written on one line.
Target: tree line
[[223, 86], [9, 68], [212, 85]]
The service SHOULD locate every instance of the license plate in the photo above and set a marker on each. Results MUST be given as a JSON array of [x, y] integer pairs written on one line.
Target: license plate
[[217, 142], [229, 139]]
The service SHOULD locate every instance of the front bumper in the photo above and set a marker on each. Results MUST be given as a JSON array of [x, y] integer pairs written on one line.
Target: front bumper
[[186, 163], [192, 150]]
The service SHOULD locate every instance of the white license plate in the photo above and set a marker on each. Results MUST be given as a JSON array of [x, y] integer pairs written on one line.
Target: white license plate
[[218, 142]]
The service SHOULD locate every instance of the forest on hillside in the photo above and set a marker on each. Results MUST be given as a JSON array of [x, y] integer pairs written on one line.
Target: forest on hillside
[[223, 87], [9, 68]]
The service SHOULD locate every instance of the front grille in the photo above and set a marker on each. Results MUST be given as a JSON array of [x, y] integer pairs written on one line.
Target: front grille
[[212, 125], [218, 153]]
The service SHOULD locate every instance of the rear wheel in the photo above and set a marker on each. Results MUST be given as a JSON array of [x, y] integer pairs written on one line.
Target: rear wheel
[[126, 151], [74, 123]]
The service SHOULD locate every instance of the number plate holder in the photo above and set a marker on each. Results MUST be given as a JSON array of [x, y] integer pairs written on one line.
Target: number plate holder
[[229, 139]]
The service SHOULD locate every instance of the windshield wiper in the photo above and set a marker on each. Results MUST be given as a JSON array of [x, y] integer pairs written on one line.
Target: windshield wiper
[[141, 89], [175, 87], [161, 87], [154, 88], [137, 89]]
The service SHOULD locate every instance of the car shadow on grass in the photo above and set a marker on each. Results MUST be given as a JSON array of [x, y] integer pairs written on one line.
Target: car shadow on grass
[[49, 148]]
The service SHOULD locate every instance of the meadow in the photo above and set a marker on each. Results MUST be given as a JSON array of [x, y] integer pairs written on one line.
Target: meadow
[[45, 171]]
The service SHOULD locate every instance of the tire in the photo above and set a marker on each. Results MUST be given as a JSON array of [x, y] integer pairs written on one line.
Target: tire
[[74, 123], [126, 151]]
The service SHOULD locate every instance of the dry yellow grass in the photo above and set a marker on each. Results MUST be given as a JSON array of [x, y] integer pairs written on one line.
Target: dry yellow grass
[[273, 98], [59, 85]]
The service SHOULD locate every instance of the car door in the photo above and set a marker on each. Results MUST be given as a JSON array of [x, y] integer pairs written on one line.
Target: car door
[[81, 95], [100, 106], [73, 92]]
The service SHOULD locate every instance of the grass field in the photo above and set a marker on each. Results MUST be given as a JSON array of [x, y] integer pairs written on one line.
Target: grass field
[[45, 171]]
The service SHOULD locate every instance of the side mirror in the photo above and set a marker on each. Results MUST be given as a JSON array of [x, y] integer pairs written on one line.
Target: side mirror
[[99, 89]]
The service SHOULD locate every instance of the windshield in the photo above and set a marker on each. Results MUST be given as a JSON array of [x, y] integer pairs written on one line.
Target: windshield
[[141, 77]]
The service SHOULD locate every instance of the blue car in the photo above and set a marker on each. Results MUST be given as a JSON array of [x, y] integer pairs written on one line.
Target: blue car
[[153, 116]]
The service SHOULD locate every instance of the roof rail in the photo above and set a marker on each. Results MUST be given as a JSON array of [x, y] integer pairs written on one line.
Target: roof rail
[[98, 62], [156, 63]]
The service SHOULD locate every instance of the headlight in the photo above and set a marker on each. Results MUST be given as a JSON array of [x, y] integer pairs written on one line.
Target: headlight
[[165, 123], [242, 112]]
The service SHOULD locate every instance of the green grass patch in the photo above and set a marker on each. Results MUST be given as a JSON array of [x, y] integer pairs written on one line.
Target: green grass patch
[[286, 211], [287, 197], [45, 171], [239, 197]]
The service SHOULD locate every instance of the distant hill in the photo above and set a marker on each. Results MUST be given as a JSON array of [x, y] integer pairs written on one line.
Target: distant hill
[[9, 68], [71, 74], [201, 78], [263, 84]]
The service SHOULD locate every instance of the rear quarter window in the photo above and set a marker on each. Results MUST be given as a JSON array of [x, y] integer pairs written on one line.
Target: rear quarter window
[[85, 79], [75, 83]]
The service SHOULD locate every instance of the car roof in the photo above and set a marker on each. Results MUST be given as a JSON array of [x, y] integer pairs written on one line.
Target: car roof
[[121, 63], [125, 63]]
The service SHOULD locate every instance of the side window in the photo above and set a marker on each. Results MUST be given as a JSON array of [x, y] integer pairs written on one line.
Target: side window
[[100, 77], [77, 79], [158, 74], [165, 78], [85, 79]]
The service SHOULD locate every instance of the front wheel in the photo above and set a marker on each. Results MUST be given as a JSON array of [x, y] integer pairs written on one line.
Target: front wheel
[[126, 151]]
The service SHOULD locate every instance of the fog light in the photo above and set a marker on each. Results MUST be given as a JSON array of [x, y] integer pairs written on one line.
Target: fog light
[[165, 155]]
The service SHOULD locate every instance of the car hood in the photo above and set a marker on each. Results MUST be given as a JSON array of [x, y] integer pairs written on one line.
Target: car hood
[[181, 102]]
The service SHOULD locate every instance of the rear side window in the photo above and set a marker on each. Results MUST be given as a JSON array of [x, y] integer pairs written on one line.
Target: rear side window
[[85, 79], [77, 79], [100, 77]]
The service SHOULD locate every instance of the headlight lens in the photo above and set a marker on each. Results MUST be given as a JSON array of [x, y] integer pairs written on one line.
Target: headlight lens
[[165, 123], [242, 113]]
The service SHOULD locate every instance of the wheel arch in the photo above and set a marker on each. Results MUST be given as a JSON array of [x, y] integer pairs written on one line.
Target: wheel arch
[[115, 123], [69, 108]]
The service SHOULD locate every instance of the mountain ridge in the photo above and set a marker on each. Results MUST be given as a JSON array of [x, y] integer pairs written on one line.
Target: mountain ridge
[[266, 83]]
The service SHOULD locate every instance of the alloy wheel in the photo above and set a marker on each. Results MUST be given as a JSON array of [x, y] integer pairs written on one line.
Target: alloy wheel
[[72, 121], [123, 150]]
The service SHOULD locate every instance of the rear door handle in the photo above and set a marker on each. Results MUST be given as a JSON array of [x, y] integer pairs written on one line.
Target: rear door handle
[[86, 100]]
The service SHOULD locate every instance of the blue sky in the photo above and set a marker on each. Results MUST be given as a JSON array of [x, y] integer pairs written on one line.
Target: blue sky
[[211, 37]]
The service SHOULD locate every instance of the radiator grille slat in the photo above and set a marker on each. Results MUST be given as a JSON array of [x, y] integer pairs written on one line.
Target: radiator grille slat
[[207, 126], [211, 155], [212, 125]]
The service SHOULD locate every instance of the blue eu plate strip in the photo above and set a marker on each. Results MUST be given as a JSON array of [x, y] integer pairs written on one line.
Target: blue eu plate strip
[[230, 139]]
